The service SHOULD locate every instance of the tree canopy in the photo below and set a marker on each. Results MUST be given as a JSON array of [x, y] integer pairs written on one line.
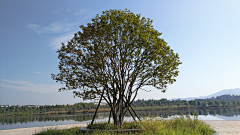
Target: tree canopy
[[114, 57]]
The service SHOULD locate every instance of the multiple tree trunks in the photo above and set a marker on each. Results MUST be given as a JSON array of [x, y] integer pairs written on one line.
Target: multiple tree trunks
[[86, 130]]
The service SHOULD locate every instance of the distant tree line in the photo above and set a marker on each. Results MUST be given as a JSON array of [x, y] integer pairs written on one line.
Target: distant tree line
[[227, 97], [181, 103], [220, 101], [31, 109]]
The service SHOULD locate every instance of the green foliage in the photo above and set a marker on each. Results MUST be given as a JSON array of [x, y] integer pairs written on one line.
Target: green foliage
[[217, 103], [114, 43], [227, 97], [186, 103], [223, 102], [204, 104], [234, 102], [198, 103], [194, 103], [211, 103], [238, 102]]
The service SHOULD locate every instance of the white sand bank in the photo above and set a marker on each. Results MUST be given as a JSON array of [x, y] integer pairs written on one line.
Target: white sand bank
[[33, 130]]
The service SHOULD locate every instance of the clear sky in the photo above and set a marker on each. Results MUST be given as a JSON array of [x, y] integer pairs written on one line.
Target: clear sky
[[205, 33]]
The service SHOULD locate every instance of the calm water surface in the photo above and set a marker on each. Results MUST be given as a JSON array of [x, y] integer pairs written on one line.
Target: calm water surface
[[12, 122]]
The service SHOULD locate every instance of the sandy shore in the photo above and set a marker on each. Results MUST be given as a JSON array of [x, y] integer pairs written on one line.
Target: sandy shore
[[222, 127], [225, 127], [33, 130]]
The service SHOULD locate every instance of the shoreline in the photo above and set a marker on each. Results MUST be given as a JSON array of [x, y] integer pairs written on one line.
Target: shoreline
[[222, 127], [34, 130], [148, 108]]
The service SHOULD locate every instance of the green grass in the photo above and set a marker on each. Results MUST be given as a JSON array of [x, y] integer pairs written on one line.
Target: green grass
[[110, 126], [150, 125]]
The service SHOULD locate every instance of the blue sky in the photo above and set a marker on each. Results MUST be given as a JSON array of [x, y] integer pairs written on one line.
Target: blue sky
[[206, 34]]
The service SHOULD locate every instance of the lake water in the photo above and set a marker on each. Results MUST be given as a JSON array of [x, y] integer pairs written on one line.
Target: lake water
[[11, 122]]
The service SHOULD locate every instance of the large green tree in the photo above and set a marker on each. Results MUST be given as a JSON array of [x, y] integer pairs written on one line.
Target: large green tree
[[114, 57]]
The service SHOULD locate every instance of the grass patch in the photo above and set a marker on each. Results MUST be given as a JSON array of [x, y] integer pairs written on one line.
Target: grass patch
[[110, 126], [176, 126], [71, 131], [182, 125]]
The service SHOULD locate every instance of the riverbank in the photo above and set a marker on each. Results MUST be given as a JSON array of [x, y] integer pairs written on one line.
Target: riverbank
[[225, 127], [148, 108], [34, 130], [59, 112], [222, 127]]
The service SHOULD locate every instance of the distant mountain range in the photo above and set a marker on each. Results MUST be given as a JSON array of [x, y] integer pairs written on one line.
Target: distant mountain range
[[223, 92]]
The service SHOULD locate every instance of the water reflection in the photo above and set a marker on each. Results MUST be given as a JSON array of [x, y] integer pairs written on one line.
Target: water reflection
[[44, 118], [12, 121], [227, 112]]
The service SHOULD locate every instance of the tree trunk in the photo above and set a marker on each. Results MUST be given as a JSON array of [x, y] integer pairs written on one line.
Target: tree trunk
[[109, 116], [115, 120], [97, 108]]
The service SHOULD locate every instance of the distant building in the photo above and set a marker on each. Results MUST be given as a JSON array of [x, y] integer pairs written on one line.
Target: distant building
[[96, 101], [4, 105], [30, 105]]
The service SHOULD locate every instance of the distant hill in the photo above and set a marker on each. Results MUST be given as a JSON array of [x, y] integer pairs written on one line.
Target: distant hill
[[223, 92]]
